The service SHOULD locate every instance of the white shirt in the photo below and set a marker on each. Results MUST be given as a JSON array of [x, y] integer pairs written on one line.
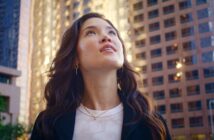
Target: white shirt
[[107, 126]]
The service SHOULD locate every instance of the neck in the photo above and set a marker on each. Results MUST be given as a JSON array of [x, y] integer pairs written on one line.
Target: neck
[[100, 91]]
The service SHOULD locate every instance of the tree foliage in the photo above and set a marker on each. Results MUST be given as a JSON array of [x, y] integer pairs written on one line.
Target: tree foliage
[[11, 132]]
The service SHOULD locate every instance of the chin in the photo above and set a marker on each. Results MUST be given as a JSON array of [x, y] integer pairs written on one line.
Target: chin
[[114, 65]]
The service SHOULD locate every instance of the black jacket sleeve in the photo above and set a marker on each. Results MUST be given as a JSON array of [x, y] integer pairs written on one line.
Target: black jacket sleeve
[[36, 132]]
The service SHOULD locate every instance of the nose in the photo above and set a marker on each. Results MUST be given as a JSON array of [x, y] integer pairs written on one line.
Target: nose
[[105, 38]]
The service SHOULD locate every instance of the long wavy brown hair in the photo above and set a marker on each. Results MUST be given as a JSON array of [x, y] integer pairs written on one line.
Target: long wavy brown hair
[[64, 90]]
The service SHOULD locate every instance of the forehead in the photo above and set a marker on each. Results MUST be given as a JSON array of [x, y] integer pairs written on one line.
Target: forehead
[[98, 22]]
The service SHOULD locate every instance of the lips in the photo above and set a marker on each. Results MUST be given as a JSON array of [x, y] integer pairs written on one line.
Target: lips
[[107, 47]]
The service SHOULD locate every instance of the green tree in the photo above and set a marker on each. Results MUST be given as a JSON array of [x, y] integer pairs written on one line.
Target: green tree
[[3, 104], [9, 131]]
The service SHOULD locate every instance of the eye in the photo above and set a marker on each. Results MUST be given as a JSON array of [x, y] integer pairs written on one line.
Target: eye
[[112, 32], [90, 32]]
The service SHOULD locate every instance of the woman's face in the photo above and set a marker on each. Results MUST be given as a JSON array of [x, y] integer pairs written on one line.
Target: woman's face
[[99, 47]]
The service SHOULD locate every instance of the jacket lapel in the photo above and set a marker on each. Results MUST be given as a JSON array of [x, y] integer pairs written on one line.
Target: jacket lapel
[[128, 119], [65, 126]]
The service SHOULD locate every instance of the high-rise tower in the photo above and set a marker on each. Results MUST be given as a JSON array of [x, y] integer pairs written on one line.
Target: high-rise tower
[[174, 47]]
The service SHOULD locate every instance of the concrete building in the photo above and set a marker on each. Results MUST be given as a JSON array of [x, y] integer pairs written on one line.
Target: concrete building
[[174, 50], [24, 60], [9, 91], [48, 22]]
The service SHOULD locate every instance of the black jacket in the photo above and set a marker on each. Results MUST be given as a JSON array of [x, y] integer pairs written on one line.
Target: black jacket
[[64, 127]]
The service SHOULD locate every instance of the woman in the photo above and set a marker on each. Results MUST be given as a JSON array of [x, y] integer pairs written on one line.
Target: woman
[[92, 92]]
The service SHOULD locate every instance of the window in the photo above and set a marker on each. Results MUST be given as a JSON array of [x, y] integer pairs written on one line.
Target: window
[[76, 15], [6, 79], [172, 63], [155, 39], [139, 30], [204, 27], [208, 57], [208, 72], [138, 6], [198, 2], [207, 41], [85, 2], [185, 4], [5, 101], [210, 106], [175, 92], [153, 14], [154, 26], [173, 78], [159, 94], [172, 49], [176, 107], [157, 66], [192, 75], [157, 80], [178, 123], [138, 18], [209, 119], [209, 87], [194, 105], [169, 22], [161, 109], [152, 2], [203, 13], [170, 35], [87, 10], [193, 90], [141, 55], [156, 53], [145, 82], [75, 4], [140, 43], [195, 121], [185, 18], [168, 9], [190, 60], [187, 31], [144, 69], [189, 45]]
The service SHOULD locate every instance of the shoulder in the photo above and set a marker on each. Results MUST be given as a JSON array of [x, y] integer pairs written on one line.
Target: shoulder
[[36, 132]]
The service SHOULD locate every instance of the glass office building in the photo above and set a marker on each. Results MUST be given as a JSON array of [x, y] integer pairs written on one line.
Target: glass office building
[[9, 32]]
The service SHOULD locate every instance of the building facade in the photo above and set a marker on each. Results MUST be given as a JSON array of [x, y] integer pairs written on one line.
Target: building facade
[[24, 60], [48, 22], [174, 51], [9, 91]]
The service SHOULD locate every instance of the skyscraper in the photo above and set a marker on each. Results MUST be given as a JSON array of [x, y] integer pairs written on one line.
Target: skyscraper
[[174, 47], [9, 30], [47, 25]]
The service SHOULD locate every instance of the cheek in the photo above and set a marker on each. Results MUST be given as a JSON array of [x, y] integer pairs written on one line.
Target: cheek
[[86, 50]]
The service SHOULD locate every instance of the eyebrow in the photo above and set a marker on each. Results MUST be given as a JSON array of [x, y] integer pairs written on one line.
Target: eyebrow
[[95, 27]]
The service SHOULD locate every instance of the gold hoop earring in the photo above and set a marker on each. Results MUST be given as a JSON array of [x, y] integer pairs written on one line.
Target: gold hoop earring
[[76, 69], [118, 86]]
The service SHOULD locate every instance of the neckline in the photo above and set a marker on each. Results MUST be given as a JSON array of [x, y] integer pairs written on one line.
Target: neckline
[[100, 113]]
